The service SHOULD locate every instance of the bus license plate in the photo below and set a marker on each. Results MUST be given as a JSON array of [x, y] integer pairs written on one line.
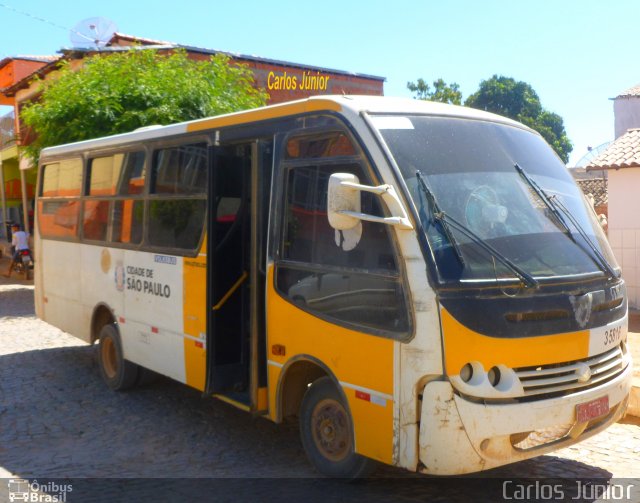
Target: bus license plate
[[593, 409]]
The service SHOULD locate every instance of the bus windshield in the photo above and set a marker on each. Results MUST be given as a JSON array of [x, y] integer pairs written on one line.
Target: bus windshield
[[497, 185]]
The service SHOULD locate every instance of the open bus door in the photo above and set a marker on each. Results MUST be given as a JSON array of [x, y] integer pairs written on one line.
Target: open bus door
[[238, 219]]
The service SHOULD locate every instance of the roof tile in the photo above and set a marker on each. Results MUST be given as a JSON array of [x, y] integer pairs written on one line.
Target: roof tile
[[597, 187], [631, 92], [622, 153]]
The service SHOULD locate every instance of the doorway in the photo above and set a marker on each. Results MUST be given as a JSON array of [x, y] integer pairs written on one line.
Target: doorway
[[238, 221]]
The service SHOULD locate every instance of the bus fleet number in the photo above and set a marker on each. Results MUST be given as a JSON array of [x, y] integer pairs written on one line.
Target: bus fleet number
[[612, 336]]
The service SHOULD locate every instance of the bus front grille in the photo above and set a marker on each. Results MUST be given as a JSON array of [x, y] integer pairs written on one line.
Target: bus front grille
[[568, 377]]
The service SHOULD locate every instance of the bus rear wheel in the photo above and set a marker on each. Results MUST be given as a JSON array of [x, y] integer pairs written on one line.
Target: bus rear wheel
[[118, 373], [326, 431]]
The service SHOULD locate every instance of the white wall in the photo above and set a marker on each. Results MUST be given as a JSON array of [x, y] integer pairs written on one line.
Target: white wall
[[626, 112], [624, 227]]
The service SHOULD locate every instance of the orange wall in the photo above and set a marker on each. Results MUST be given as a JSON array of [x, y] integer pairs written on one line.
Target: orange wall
[[286, 83], [16, 70]]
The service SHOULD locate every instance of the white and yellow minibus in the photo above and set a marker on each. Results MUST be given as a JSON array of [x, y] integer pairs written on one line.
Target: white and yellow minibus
[[422, 285]]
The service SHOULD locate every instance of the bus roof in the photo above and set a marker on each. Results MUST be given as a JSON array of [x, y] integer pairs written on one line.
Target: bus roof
[[347, 105]]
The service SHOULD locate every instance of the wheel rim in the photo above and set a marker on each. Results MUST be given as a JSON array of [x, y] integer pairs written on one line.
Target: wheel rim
[[331, 432], [109, 357]]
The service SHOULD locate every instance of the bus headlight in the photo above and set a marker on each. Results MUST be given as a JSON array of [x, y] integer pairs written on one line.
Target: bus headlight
[[473, 373], [466, 373], [494, 376], [504, 379], [499, 381]]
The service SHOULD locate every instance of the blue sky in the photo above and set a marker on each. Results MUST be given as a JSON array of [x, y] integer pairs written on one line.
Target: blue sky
[[576, 54]]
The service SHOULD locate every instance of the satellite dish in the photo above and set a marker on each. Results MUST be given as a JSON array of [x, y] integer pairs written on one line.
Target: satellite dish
[[591, 154], [92, 32]]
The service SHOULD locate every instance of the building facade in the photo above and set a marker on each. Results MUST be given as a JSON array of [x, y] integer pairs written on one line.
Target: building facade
[[283, 81], [621, 160], [14, 184]]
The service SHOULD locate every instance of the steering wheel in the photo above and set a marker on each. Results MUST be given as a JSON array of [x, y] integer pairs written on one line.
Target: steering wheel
[[483, 211]]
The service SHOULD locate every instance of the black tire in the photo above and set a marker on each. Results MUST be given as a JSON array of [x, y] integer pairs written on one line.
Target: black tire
[[326, 430], [118, 373]]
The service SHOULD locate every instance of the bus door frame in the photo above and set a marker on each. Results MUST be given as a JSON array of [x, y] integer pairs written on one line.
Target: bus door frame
[[257, 271]]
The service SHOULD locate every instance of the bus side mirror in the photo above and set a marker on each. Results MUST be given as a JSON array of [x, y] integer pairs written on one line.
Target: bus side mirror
[[343, 203]]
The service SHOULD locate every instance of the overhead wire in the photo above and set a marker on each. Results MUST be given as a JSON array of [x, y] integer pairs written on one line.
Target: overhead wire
[[41, 19], [37, 18]]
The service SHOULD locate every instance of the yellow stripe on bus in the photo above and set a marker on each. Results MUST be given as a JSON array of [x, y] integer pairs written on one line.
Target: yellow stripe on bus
[[462, 345], [362, 360], [261, 114], [195, 317]]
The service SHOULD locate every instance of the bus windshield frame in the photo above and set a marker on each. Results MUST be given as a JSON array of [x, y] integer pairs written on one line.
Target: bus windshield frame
[[472, 168]]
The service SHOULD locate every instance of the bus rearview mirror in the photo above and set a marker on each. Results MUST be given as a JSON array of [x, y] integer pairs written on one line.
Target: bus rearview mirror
[[343, 203]]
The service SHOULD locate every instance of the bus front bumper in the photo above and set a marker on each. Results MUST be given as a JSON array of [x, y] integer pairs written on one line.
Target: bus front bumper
[[460, 436]]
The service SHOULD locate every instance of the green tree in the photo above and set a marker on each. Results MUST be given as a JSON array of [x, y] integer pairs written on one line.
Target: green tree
[[119, 92], [517, 100], [442, 92]]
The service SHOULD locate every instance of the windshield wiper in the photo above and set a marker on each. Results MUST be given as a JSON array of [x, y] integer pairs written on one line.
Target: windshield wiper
[[435, 210], [603, 261], [447, 220], [554, 205]]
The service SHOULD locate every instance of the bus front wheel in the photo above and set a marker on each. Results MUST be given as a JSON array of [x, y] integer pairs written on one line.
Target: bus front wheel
[[118, 373], [326, 431]]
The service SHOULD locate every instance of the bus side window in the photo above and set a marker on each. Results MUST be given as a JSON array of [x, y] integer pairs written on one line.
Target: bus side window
[[59, 206], [349, 277], [132, 176], [118, 175], [177, 206], [101, 175], [127, 217], [127, 220], [94, 219]]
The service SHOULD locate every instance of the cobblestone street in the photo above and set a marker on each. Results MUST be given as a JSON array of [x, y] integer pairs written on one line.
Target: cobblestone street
[[59, 420]]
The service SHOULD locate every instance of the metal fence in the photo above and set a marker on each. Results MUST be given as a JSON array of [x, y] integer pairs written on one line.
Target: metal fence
[[7, 130]]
